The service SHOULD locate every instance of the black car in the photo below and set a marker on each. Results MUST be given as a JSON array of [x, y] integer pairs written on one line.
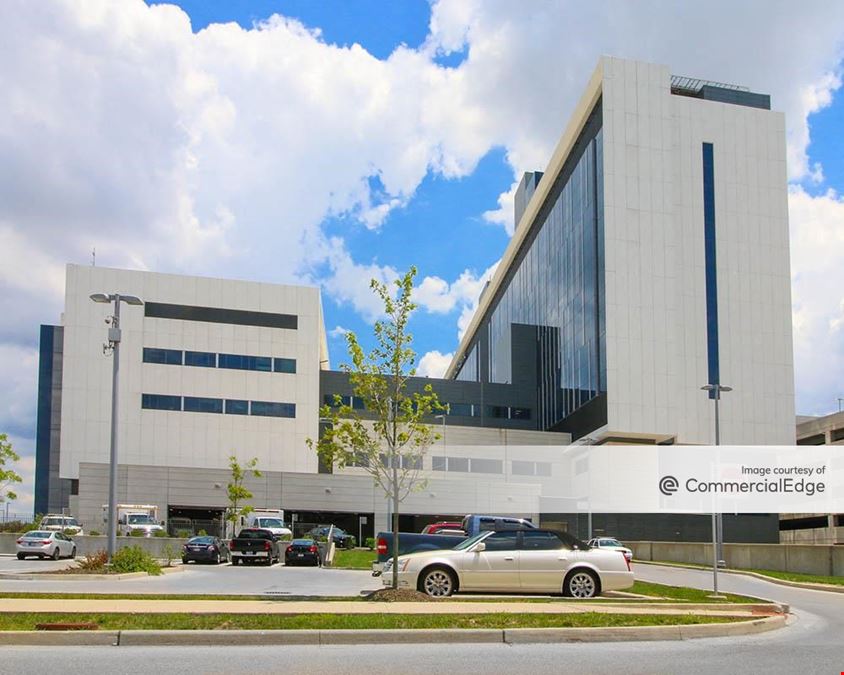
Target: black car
[[303, 552], [205, 549], [341, 538]]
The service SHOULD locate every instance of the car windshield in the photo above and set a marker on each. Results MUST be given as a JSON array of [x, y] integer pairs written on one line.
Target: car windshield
[[38, 534], [140, 519], [463, 545], [610, 542], [269, 522], [201, 540], [48, 522]]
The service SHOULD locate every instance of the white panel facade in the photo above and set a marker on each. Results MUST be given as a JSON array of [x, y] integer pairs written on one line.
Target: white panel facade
[[178, 438], [655, 264]]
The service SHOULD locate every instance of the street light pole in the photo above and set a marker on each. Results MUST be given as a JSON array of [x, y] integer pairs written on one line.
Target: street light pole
[[717, 518], [113, 345]]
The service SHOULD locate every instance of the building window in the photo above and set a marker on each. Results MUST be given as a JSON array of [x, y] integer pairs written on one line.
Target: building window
[[284, 365], [206, 405], [459, 409], [438, 463], [486, 465], [269, 409], [521, 468], [459, 464], [543, 468], [499, 411], [237, 407], [161, 402], [238, 317], [330, 400], [171, 357], [203, 359], [519, 413], [239, 362]]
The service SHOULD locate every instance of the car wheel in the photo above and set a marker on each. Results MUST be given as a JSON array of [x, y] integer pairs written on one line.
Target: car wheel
[[581, 584], [438, 582], [73, 553], [56, 554], [21, 556]]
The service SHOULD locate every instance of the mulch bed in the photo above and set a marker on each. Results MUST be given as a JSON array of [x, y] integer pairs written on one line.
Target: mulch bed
[[399, 595]]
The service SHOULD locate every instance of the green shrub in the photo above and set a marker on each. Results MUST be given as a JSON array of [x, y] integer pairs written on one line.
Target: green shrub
[[137, 533], [170, 552], [184, 534], [94, 533], [134, 559], [369, 542], [202, 533], [159, 533], [351, 542]]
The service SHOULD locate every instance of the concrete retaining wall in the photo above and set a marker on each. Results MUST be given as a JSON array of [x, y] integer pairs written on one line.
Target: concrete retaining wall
[[88, 544], [802, 559]]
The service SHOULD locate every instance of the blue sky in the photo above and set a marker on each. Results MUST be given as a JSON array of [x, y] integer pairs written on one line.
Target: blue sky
[[329, 142]]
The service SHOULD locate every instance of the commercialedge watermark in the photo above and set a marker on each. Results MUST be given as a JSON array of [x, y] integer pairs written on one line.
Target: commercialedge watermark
[[669, 485]]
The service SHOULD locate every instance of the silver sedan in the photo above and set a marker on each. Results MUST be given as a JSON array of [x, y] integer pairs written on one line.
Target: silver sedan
[[45, 544]]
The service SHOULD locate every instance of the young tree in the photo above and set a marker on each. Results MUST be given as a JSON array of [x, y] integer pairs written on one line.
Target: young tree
[[8, 477], [389, 438], [237, 492]]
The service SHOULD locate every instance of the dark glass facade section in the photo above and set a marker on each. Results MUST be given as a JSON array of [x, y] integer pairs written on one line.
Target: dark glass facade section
[[239, 317], [546, 324], [206, 405], [201, 359], [284, 365], [239, 362], [710, 262], [171, 357], [459, 409], [237, 407], [269, 409], [161, 402], [470, 370]]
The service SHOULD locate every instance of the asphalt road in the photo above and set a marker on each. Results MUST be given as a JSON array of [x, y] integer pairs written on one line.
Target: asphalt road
[[811, 644], [198, 579]]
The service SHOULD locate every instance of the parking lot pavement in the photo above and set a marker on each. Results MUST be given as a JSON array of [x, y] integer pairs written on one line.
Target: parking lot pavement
[[277, 580], [9, 563]]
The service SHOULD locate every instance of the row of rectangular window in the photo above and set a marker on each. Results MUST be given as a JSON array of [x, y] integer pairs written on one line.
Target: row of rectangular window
[[176, 357], [217, 405], [451, 409]]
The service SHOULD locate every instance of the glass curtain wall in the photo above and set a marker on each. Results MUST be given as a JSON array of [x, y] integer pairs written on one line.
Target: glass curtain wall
[[558, 288]]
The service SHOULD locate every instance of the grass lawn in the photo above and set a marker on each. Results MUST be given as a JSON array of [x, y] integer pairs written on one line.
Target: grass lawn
[[807, 578], [176, 621], [787, 576], [355, 559], [684, 594]]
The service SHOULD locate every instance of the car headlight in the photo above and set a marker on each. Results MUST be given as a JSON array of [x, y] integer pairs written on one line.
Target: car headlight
[[403, 563]]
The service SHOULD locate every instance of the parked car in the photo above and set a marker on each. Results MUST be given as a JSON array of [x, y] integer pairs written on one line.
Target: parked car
[[205, 549], [57, 522], [520, 561], [45, 544], [342, 539], [611, 544], [254, 544], [411, 542], [302, 551], [436, 528]]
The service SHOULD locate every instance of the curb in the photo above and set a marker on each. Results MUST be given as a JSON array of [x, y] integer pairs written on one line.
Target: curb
[[397, 636], [47, 576], [747, 573]]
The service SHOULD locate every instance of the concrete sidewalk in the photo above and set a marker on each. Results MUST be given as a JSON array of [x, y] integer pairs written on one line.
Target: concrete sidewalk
[[341, 607]]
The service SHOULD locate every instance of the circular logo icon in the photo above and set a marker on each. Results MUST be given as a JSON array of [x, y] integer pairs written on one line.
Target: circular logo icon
[[668, 485]]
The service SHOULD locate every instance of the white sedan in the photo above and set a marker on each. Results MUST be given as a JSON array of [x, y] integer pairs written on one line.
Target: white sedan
[[45, 544], [524, 561], [611, 544]]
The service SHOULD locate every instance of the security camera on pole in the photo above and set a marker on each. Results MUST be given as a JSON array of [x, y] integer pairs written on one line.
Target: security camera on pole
[[113, 347]]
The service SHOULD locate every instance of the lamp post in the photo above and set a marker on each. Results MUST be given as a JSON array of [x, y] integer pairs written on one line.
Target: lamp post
[[113, 346], [717, 518]]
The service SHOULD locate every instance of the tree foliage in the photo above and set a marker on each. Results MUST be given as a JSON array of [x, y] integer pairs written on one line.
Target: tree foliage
[[389, 437], [8, 476], [237, 492]]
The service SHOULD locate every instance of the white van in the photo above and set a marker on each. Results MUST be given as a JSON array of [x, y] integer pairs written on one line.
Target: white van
[[267, 519], [57, 522]]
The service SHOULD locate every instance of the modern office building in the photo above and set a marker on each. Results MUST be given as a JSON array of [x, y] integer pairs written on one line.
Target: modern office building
[[650, 258]]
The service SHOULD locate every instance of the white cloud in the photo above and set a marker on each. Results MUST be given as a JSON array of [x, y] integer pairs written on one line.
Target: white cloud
[[817, 252], [433, 364], [338, 331]]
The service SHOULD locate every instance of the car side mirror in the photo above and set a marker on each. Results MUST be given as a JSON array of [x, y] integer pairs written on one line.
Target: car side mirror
[[480, 547]]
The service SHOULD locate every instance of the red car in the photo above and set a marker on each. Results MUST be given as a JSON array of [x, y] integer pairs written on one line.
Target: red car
[[444, 527]]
